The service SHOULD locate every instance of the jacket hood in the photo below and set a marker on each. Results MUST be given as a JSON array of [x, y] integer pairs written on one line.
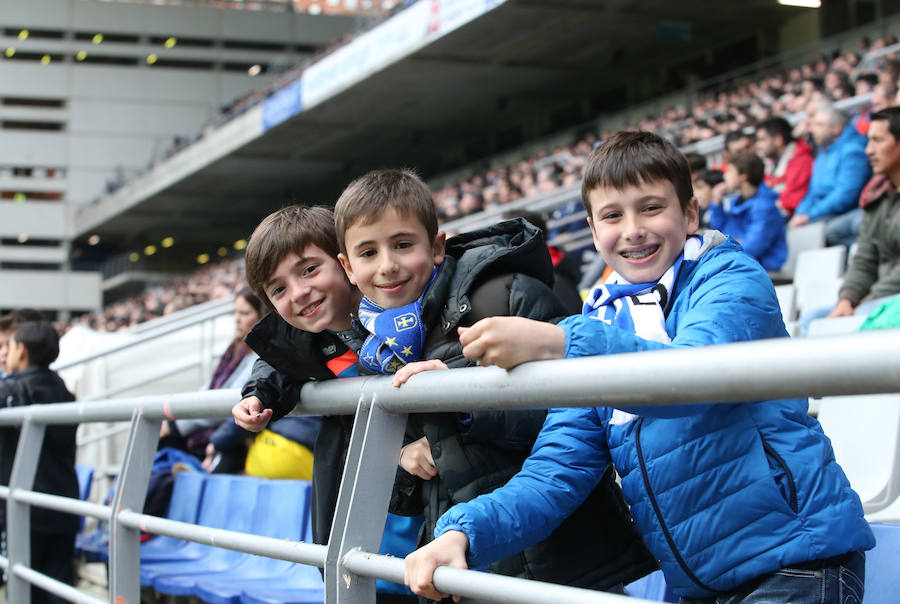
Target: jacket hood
[[512, 246], [293, 352]]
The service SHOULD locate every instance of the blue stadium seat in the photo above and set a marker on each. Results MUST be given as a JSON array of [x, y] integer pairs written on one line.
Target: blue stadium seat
[[226, 504], [285, 595], [882, 578], [85, 474], [282, 511], [651, 587], [183, 507]]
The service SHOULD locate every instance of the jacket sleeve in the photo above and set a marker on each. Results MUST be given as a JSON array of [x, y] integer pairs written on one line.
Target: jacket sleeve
[[516, 430], [718, 312], [716, 215], [846, 185], [566, 464], [796, 183], [766, 225], [273, 389], [863, 270]]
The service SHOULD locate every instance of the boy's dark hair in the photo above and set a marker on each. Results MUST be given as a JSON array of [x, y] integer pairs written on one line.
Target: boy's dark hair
[[778, 126], [696, 162], [367, 197], [632, 158], [711, 177], [892, 116], [40, 341], [10, 320], [532, 217], [749, 163], [289, 229]]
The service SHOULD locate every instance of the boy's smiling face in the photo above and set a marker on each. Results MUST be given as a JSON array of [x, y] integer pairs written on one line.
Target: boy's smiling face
[[391, 259], [311, 292], [641, 230]]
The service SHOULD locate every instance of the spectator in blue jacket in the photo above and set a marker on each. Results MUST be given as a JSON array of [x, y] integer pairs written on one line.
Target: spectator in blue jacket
[[749, 213], [840, 172], [738, 502]]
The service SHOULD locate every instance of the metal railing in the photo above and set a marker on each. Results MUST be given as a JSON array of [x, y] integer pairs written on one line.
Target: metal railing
[[866, 363]]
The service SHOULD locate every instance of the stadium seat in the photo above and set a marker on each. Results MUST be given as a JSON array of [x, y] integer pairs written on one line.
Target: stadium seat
[[226, 503], [651, 587], [882, 578], [865, 434], [282, 511], [787, 301], [85, 474], [183, 507], [285, 595], [807, 237], [817, 277]]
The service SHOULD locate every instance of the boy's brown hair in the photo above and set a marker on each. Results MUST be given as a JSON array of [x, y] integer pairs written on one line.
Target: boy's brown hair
[[367, 197], [631, 158], [749, 164], [289, 229]]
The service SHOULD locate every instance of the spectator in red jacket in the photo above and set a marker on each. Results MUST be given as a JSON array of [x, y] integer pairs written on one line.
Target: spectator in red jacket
[[789, 162]]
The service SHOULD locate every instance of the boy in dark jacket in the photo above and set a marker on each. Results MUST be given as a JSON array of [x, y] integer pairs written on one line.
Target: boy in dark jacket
[[418, 288], [32, 347], [291, 263]]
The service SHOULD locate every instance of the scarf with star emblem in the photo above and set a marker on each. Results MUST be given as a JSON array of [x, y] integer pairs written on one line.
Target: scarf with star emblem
[[397, 334]]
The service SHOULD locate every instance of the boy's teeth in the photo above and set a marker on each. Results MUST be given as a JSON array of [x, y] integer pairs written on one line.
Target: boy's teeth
[[640, 253]]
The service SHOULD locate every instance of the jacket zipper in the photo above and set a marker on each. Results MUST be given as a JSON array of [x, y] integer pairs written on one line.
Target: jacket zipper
[[792, 487], [665, 529]]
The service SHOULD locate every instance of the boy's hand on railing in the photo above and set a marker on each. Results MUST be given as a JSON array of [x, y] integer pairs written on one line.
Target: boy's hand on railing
[[447, 550], [411, 369], [416, 459], [511, 341], [250, 414]]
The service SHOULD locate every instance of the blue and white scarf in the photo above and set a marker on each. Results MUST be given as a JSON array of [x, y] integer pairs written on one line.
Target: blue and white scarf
[[640, 307], [397, 334]]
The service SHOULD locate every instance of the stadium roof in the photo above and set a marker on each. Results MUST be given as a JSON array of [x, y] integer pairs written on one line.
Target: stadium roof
[[430, 107]]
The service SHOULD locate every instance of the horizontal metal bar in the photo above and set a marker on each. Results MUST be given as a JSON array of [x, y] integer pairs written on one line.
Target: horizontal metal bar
[[4, 562], [163, 331], [294, 551], [868, 363], [4, 492], [57, 588], [860, 363], [63, 504], [482, 586]]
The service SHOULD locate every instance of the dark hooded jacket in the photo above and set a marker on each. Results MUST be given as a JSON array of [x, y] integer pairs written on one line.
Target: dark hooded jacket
[[505, 270], [56, 464]]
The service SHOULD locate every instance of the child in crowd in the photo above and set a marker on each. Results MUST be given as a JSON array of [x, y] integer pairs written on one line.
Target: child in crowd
[[418, 288], [750, 212], [32, 347], [291, 264], [738, 502]]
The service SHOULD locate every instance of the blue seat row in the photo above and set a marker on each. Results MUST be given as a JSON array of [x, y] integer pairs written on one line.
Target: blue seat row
[[270, 508]]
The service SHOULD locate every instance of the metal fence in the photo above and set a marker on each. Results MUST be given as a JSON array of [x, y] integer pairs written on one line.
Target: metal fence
[[865, 363]]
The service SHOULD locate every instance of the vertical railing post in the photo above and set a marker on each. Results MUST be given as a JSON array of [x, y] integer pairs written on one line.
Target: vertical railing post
[[18, 515], [124, 542], [363, 499]]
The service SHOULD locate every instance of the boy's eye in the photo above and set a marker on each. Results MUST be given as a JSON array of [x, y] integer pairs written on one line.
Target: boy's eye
[[611, 215], [404, 244], [367, 253], [308, 270], [275, 291]]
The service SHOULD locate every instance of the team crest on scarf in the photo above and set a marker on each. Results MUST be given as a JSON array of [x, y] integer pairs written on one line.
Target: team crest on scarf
[[640, 307], [397, 334]]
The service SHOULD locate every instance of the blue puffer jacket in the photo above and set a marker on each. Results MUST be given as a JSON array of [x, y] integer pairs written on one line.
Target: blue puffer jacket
[[720, 493], [840, 172], [757, 223]]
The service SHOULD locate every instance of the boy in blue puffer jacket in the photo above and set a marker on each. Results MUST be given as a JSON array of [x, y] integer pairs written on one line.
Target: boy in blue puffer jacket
[[743, 502], [749, 213]]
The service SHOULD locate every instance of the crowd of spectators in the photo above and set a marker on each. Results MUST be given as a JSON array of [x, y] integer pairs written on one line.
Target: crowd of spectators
[[207, 283], [728, 112], [750, 115]]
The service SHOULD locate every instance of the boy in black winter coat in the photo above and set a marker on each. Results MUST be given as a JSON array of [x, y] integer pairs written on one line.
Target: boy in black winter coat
[[33, 346], [418, 288]]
